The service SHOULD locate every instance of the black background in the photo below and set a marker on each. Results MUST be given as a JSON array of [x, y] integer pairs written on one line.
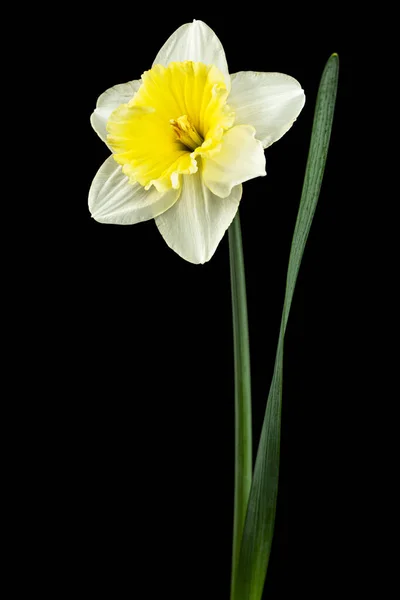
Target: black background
[[148, 456]]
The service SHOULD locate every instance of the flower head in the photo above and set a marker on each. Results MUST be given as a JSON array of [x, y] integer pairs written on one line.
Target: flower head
[[184, 138]]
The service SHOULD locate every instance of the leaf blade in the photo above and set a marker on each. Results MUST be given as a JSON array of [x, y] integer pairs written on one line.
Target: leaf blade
[[260, 519]]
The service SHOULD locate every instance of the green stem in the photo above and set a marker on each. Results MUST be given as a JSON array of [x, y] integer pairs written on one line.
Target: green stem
[[243, 430]]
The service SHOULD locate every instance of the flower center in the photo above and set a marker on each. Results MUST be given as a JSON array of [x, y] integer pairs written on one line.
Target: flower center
[[178, 114], [186, 132]]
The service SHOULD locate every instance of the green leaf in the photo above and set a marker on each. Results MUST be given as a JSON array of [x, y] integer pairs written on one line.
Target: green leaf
[[259, 526], [243, 432]]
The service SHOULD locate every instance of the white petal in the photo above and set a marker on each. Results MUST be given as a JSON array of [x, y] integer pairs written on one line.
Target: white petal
[[271, 102], [107, 102], [197, 42], [196, 223], [241, 158], [112, 199]]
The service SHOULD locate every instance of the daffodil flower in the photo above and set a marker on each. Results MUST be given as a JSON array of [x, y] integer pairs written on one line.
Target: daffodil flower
[[184, 138]]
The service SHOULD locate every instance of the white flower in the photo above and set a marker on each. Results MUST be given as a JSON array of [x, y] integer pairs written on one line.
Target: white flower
[[184, 138]]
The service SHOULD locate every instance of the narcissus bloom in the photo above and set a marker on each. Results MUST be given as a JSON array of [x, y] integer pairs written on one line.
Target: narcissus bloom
[[184, 138]]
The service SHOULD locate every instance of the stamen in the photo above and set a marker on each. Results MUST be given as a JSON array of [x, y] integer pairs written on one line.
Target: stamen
[[186, 132]]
